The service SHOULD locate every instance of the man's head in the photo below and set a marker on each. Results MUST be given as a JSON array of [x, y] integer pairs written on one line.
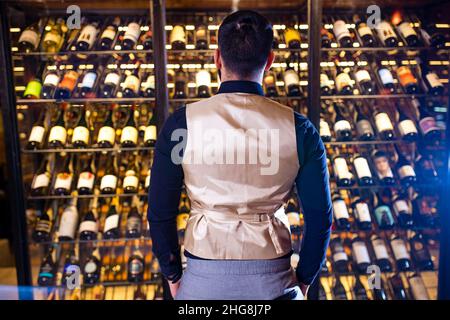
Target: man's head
[[245, 46]]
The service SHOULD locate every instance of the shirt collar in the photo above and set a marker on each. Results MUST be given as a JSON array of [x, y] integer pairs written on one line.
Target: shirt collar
[[241, 86]]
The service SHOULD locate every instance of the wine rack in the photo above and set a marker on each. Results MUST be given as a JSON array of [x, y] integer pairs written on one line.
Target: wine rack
[[183, 65]]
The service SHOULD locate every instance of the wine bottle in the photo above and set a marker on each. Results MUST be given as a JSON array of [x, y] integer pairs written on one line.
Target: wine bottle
[[419, 251], [406, 126], [386, 34], [80, 137], [34, 86], [325, 86], [383, 213], [54, 35], [362, 170], [108, 183], [270, 86], [360, 254], [70, 265], [131, 35], [433, 36], [324, 129], [63, 181], [403, 211], [343, 81], [67, 85], [129, 136], [364, 32], [291, 211], [109, 34], [322, 292], [37, 134], [47, 270], [89, 81], [291, 82], [343, 175], [397, 287], [134, 224], [131, 180], [362, 213], [87, 36], [140, 294], [339, 292], [136, 266], [363, 126], [342, 127], [382, 167], [359, 292], [405, 29], [132, 83], [30, 37], [405, 171], [177, 38], [417, 287], [326, 38], [381, 254], [201, 38], [111, 229], [362, 76], [147, 181], [340, 258], [385, 74], [151, 131], [148, 86], [427, 123], [342, 33], [43, 228], [292, 38], [431, 79], [383, 124], [426, 169], [379, 293], [89, 224], [340, 213], [407, 79], [203, 82], [180, 85], [69, 222], [41, 179], [110, 84], [107, 133], [401, 255], [50, 83], [92, 268]]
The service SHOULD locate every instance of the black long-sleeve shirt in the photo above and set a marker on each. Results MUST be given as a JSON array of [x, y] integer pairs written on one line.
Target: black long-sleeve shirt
[[311, 181]]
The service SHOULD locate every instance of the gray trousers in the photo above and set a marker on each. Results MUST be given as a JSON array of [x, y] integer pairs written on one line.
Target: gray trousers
[[237, 280]]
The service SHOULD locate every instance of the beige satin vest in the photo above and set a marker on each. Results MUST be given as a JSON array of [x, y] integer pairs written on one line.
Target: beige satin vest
[[240, 164]]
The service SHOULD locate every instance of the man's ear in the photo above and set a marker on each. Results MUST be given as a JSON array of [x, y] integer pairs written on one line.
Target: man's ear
[[217, 59], [270, 60]]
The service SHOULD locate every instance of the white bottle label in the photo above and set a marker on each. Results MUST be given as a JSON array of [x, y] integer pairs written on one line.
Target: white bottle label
[[364, 30], [386, 76], [433, 80], [37, 134], [340, 256], [68, 223], [90, 267], [108, 181], [401, 206], [129, 134], [178, 34], [89, 80], [361, 253], [112, 78], [111, 222], [407, 126], [86, 180], [41, 180], [385, 31], [81, 134], [380, 249], [58, 133], [324, 80], [132, 82], [107, 134], [406, 29], [89, 226], [399, 248], [362, 211], [418, 289], [149, 83], [133, 32], [31, 37], [291, 78], [383, 122], [406, 171], [109, 33], [203, 78], [342, 125], [343, 80], [88, 35], [63, 181], [150, 133], [362, 167], [51, 37], [51, 79], [340, 209], [130, 181], [147, 180], [340, 30], [341, 169], [363, 127], [362, 75], [324, 129]]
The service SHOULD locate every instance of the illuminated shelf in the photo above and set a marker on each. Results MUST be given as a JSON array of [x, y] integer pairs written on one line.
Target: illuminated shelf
[[378, 96], [284, 98], [422, 48], [88, 196], [86, 150], [100, 242], [358, 143], [85, 100], [93, 52], [382, 186]]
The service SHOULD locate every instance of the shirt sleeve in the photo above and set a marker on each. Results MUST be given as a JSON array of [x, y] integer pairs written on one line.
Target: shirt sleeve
[[313, 189], [166, 183]]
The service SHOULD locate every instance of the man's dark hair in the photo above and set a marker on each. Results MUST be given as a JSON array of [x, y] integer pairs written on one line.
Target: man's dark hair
[[245, 41]]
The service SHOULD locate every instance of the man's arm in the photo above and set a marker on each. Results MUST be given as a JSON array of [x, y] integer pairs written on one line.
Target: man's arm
[[313, 189], [164, 196]]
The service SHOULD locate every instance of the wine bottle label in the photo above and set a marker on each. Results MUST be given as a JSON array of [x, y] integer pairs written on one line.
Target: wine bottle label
[[200, 34], [428, 124], [401, 206], [111, 222], [149, 83], [89, 225], [107, 134], [130, 181], [324, 80], [433, 80], [108, 181], [30, 36], [406, 127], [340, 256], [399, 248], [383, 122], [89, 80], [362, 167], [112, 78], [291, 78], [203, 78], [109, 33], [43, 226], [384, 215], [63, 181], [182, 220], [362, 211], [291, 35], [81, 134], [406, 29], [364, 30], [293, 218], [341, 169], [129, 134], [340, 30], [364, 127], [150, 133], [68, 223], [383, 168], [51, 79], [380, 249], [362, 75], [132, 82], [33, 89], [385, 31], [88, 35], [178, 34], [147, 180], [136, 267], [133, 32], [90, 267], [52, 37], [406, 171], [86, 180], [40, 181], [405, 76], [418, 289], [134, 223], [70, 80], [324, 129], [37, 134], [340, 209], [342, 125], [386, 76], [360, 251], [343, 80]]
